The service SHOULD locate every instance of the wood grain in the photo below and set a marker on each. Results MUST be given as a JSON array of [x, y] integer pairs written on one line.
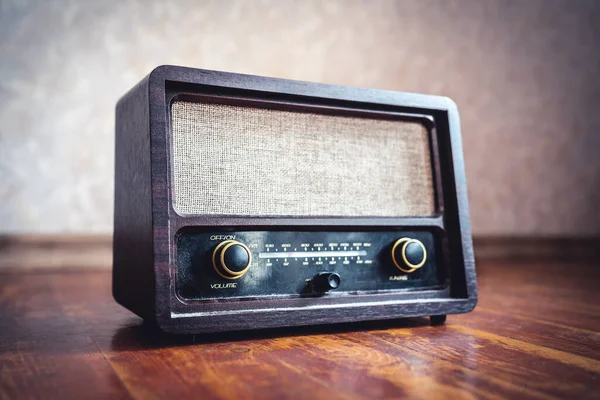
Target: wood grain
[[132, 235], [532, 247], [49, 250], [534, 334]]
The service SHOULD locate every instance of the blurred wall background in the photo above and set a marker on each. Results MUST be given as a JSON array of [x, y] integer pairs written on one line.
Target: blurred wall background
[[525, 75]]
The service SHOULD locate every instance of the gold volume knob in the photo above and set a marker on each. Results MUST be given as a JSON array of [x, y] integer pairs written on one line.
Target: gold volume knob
[[409, 254], [231, 259]]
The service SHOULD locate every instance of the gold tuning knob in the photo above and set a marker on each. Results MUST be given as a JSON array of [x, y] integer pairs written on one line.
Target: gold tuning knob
[[409, 254]]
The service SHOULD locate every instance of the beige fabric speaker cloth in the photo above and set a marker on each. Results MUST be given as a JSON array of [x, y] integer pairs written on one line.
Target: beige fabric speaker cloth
[[253, 161]]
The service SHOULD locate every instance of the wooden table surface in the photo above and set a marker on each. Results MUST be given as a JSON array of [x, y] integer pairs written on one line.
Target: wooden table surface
[[534, 334]]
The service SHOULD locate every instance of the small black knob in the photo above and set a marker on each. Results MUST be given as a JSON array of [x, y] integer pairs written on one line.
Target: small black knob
[[231, 259], [326, 281]]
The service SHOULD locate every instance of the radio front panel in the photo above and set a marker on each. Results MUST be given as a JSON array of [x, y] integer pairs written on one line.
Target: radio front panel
[[243, 264]]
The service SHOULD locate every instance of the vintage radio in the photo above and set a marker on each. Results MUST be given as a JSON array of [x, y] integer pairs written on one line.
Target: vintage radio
[[244, 202]]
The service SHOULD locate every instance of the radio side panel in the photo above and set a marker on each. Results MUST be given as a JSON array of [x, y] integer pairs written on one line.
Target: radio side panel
[[133, 266]]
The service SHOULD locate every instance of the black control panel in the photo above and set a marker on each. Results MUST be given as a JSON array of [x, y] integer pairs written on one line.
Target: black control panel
[[216, 265]]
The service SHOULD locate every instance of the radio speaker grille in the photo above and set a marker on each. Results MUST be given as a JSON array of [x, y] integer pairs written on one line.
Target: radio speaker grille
[[253, 161]]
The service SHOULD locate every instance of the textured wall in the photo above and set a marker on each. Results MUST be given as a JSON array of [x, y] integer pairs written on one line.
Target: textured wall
[[524, 73]]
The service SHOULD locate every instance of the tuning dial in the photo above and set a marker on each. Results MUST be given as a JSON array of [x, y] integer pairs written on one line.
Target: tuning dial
[[231, 259], [409, 254]]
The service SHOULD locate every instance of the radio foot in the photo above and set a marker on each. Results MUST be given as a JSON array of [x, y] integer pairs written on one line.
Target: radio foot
[[438, 319]]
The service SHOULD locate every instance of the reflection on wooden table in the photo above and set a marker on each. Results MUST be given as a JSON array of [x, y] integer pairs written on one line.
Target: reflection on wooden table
[[534, 334]]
